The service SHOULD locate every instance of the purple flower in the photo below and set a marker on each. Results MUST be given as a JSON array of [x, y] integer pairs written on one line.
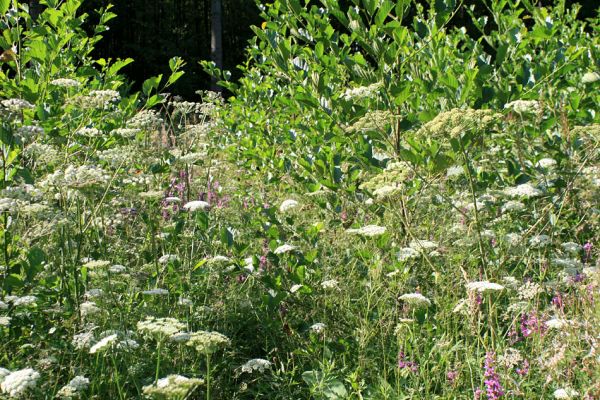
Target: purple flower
[[558, 302], [587, 248], [451, 376], [524, 369], [402, 363], [493, 387]]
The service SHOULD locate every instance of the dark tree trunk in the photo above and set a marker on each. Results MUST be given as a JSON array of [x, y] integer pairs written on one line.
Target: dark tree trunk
[[216, 38]]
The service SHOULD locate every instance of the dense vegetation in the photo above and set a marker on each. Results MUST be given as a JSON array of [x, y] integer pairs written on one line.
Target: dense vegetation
[[386, 208]]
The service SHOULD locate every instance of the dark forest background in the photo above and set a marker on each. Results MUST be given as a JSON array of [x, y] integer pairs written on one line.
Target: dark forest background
[[152, 31]]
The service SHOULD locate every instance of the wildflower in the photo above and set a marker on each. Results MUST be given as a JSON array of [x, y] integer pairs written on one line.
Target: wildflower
[[566, 393], [512, 205], [29, 133], [455, 122], [523, 106], [403, 364], [287, 205], [172, 387], [89, 308], [286, 248], [151, 195], [93, 293], [89, 132], [590, 77], [524, 369], [329, 284], [451, 376], [538, 241], [157, 292], [454, 171], [423, 245], [168, 258], [181, 337], [196, 205], [172, 199], [218, 259], [16, 105], [83, 340], [317, 328], [65, 82], [207, 342], [17, 383], [104, 343], [74, 388], [24, 301], [96, 264], [415, 299], [5, 321], [492, 380], [513, 239], [160, 327], [295, 288], [125, 132], [369, 231], [484, 286], [571, 247], [361, 92], [185, 302], [546, 163], [525, 190], [117, 269], [256, 364], [557, 323]]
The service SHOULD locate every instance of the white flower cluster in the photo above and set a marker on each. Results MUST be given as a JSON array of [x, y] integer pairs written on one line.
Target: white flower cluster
[[407, 253], [415, 299], [118, 156], [483, 286], [317, 328], [89, 132], [28, 133], [330, 284], [523, 106], [75, 177], [160, 327], [196, 205], [18, 383], [172, 387], [42, 153], [256, 364], [361, 92], [525, 190], [207, 342], [74, 388], [285, 248], [16, 105], [126, 133], [167, 258], [147, 120], [105, 96], [565, 394], [368, 231], [288, 205], [114, 340], [65, 82]]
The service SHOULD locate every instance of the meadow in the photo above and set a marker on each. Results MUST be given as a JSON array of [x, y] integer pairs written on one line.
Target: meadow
[[387, 207]]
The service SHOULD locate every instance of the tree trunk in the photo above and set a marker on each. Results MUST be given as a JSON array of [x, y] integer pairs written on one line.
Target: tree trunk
[[216, 38]]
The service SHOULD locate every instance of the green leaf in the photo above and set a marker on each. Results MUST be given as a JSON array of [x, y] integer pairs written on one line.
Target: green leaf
[[4, 5], [150, 84]]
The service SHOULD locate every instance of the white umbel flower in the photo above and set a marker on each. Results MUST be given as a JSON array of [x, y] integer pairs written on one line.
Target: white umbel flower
[[160, 327], [196, 205], [557, 323], [484, 286], [566, 393], [319, 327], [407, 253], [523, 106], [74, 388], [256, 364], [167, 258], [286, 248], [172, 387], [590, 77], [423, 245], [19, 382], [156, 292], [415, 299], [369, 231], [525, 190], [104, 343], [546, 163], [330, 284], [287, 205]]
